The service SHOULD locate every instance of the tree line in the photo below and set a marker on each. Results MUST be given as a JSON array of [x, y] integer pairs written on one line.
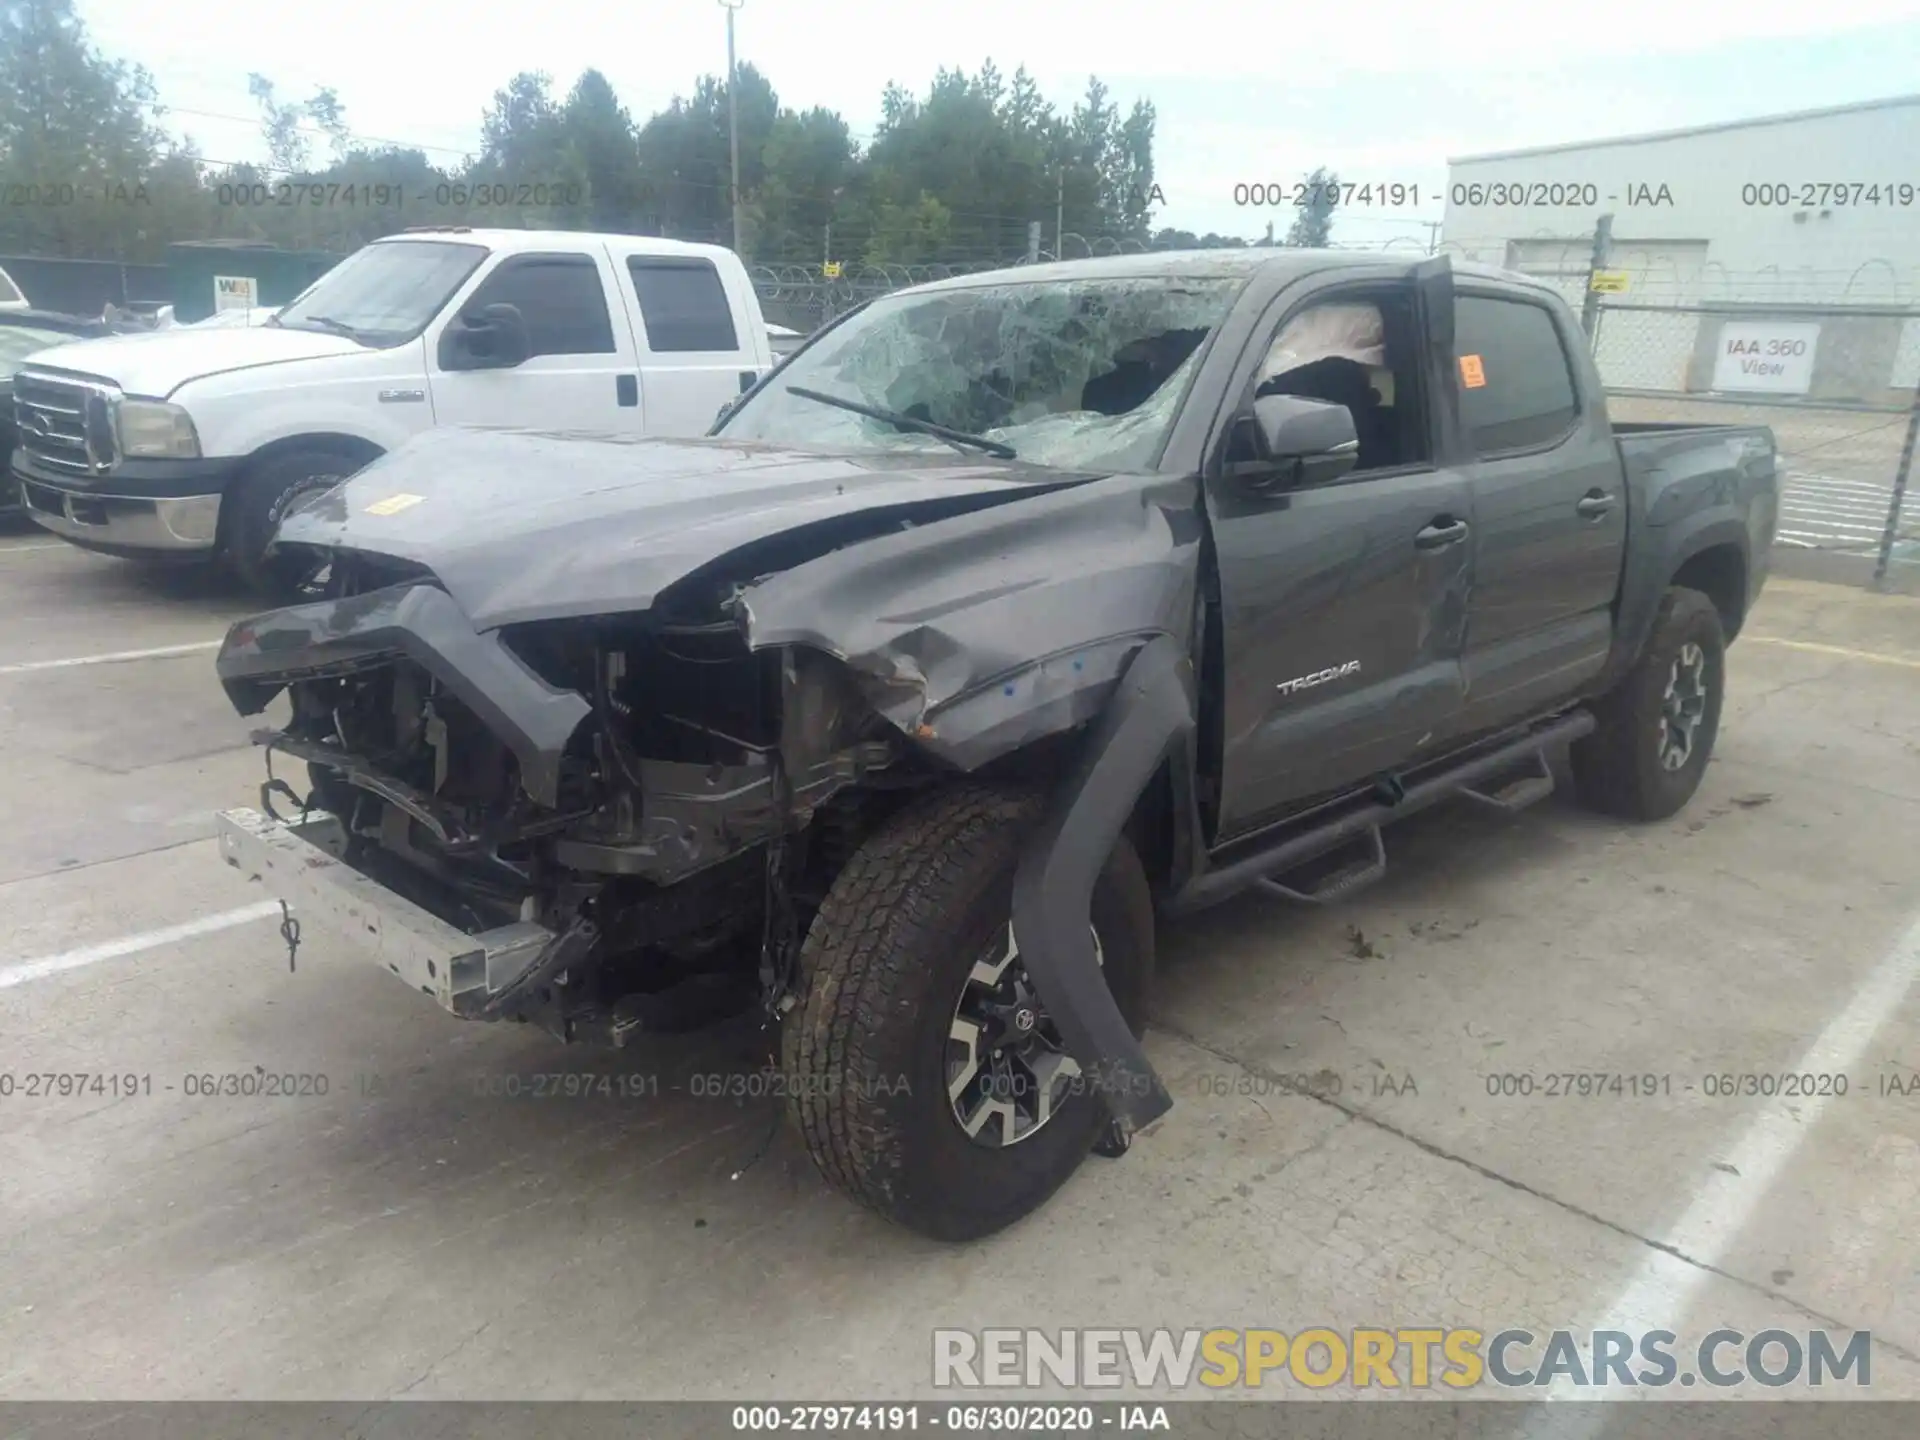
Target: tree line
[[958, 175]]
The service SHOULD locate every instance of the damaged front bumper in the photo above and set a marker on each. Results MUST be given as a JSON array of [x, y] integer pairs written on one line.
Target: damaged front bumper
[[262, 655], [300, 864]]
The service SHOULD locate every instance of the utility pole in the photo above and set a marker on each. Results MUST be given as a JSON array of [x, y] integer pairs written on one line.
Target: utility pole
[[1602, 250], [733, 119], [1033, 241], [1891, 535], [1060, 218], [1433, 235]]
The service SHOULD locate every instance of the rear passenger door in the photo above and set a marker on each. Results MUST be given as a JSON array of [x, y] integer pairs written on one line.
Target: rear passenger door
[[580, 371], [693, 358], [1550, 512]]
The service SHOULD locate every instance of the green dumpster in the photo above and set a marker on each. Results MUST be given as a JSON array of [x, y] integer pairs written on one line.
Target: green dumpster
[[214, 275]]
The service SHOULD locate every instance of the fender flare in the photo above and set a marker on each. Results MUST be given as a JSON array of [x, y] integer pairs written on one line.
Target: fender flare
[[1151, 713], [1650, 570]]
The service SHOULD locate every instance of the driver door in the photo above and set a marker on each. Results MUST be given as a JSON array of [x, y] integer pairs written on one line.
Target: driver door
[[580, 373], [1343, 605]]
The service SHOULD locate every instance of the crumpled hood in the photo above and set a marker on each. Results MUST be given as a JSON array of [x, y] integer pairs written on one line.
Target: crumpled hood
[[158, 362], [525, 525]]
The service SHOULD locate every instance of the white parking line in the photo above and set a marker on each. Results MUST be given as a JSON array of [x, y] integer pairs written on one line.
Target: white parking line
[[49, 545], [1725, 1201], [1814, 647], [159, 652], [25, 970]]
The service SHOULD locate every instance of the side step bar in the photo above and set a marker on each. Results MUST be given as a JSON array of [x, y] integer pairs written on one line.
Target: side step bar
[[1351, 878], [1393, 802], [1517, 791]]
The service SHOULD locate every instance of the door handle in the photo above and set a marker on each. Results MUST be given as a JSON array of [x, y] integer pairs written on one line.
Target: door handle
[[1440, 534], [1594, 504]]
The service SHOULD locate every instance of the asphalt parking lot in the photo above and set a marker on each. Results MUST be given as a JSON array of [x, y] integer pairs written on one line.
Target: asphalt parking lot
[[415, 1232]]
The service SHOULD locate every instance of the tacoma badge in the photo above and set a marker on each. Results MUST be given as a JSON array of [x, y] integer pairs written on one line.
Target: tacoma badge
[[1319, 677]]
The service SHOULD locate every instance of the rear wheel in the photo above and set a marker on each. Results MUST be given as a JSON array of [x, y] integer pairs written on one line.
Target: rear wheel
[[264, 497], [1657, 726], [927, 1079]]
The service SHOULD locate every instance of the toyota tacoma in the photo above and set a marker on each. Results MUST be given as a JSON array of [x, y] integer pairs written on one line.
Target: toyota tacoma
[[1006, 615]]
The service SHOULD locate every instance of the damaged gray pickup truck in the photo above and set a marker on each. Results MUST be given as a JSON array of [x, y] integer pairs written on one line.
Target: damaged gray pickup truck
[[1006, 613]]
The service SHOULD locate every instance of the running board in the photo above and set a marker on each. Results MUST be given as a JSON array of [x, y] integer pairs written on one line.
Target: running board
[[1351, 878], [1405, 795], [1517, 791]]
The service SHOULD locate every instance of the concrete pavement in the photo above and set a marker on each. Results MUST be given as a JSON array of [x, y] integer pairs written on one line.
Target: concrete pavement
[[416, 1230]]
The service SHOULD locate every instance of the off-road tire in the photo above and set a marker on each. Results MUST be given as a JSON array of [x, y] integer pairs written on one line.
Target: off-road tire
[[260, 500], [1617, 768], [882, 968]]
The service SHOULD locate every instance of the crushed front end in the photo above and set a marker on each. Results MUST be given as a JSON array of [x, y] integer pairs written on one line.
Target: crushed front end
[[604, 825]]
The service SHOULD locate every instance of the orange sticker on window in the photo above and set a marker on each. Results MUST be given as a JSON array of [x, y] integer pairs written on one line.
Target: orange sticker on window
[[1472, 373]]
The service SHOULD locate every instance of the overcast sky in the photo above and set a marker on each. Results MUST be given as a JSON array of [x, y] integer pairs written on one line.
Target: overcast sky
[[1247, 90]]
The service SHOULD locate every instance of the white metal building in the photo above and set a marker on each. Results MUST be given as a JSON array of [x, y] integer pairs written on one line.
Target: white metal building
[[1819, 209], [1821, 206]]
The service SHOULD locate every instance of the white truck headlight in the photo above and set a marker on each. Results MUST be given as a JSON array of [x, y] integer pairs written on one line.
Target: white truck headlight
[[155, 430]]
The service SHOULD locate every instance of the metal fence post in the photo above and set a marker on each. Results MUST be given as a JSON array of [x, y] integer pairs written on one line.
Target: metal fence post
[[1892, 532], [1602, 252]]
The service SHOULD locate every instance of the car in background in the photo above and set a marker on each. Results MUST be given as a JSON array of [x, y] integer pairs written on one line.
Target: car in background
[[192, 448], [24, 333]]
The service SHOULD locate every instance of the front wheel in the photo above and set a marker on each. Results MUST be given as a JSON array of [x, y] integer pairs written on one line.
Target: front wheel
[[925, 1075], [264, 497], [1657, 726]]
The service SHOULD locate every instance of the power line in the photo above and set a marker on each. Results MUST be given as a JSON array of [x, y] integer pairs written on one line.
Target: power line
[[164, 109]]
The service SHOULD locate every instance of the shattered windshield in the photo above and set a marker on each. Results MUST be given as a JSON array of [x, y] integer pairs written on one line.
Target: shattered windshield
[[1084, 374]]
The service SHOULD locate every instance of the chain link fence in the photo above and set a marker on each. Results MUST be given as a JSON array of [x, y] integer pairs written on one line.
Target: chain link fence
[[801, 298], [1839, 386]]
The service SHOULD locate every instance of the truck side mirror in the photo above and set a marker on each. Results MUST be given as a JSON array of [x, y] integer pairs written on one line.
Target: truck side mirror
[[1296, 442], [494, 337]]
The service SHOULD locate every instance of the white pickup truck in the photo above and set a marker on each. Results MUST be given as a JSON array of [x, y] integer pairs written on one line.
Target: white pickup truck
[[193, 443]]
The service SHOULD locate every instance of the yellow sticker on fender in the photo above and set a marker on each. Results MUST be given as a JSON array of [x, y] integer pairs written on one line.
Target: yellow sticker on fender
[[394, 504]]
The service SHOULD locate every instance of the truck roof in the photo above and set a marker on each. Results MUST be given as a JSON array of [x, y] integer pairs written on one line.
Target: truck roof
[[511, 240], [1226, 264]]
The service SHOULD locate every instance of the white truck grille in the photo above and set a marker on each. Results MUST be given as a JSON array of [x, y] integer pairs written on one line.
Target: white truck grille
[[64, 424]]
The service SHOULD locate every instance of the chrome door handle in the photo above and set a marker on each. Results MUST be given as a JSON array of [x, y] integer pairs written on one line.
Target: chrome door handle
[[1437, 535]]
